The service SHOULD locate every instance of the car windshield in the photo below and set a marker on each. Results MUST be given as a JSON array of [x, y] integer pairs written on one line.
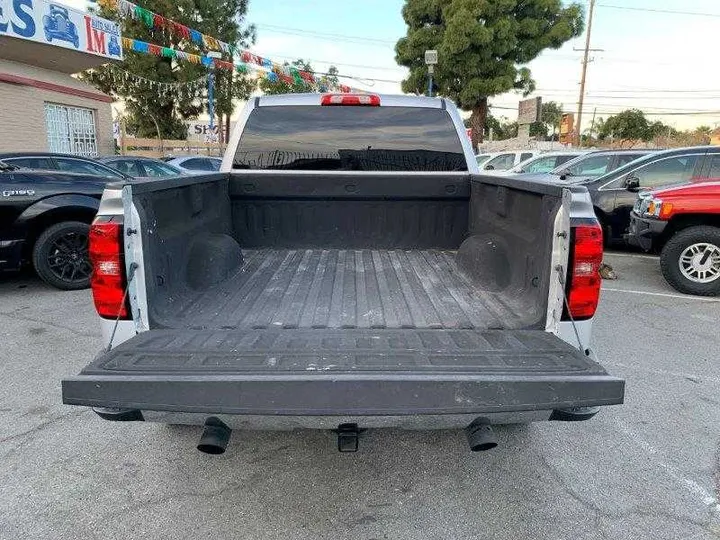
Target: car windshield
[[7, 167], [586, 165], [539, 164], [482, 158]]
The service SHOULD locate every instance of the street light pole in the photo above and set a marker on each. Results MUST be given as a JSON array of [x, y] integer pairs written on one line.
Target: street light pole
[[211, 89], [211, 98], [431, 60]]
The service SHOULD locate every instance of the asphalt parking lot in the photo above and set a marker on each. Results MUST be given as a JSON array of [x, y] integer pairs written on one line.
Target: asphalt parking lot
[[648, 469]]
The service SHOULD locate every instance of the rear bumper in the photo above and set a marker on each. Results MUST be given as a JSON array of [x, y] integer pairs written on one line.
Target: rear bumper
[[11, 254], [391, 376], [643, 232], [347, 395]]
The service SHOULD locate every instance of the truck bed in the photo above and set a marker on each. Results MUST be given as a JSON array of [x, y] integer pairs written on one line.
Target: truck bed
[[330, 288]]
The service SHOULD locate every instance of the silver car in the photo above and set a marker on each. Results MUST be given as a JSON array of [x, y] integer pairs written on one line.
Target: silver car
[[195, 164]]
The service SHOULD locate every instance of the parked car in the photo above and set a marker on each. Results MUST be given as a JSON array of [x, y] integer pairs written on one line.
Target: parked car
[[590, 164], [45, 220], [502, 161], [683, 224], [382, 282], [195, 164], [614, 194], [142, 167], [49, 161], [543, 163], [482, 158], [57, 25]]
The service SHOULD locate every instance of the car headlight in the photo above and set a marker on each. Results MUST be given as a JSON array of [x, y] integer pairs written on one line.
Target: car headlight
[[655, 208]]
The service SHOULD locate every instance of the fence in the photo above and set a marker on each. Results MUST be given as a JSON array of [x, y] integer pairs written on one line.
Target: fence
[[677, 141], [130, 146]]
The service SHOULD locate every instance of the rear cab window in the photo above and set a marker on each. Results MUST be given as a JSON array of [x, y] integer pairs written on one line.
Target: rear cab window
[[346, 138]]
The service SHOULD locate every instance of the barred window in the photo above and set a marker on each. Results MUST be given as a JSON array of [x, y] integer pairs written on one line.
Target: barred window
[[71, 130]]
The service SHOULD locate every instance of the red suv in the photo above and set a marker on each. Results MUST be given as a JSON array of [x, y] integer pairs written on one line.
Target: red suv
[[683, 223]]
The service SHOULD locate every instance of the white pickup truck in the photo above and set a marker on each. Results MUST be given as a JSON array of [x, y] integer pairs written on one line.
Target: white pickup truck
[[348, 268]]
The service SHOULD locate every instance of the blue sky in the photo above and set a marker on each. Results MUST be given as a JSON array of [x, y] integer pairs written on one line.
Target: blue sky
[[649, 59], [644, 52]]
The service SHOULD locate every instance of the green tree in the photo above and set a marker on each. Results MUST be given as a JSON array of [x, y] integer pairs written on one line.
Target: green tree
[[501, 127], [658, 129], [482, 46], [151, 108], [550, 116], [629, 125], [298, 86]]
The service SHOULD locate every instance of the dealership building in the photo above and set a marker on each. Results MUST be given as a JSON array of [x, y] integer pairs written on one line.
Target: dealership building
[[42, 106]]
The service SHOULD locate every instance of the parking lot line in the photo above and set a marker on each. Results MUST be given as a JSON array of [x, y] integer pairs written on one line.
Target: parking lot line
[[665, 295], [705, 496], [631, 255]]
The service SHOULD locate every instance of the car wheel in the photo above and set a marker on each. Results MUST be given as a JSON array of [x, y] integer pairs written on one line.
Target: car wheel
[[60, 255], [690, 261]]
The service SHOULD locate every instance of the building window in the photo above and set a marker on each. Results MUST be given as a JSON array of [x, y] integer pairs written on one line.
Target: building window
[[71, 130]]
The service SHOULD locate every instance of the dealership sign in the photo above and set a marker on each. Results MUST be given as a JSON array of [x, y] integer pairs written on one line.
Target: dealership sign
[[44, 21]]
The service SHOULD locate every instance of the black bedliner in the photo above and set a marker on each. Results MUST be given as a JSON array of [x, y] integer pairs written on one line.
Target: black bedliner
[[324, 288], [343, 372]]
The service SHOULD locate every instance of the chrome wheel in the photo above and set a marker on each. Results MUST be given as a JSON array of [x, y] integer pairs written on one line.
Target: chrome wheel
[[700, 262]]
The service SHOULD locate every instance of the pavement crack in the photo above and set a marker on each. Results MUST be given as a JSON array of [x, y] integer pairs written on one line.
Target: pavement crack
[[42, 425], [635, 511], [15, 315]]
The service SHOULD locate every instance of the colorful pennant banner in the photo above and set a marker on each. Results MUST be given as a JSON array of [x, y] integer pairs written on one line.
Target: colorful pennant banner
[[287, 74], [272, 72]]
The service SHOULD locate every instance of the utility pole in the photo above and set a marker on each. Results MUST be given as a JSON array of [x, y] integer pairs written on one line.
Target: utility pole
[[592, 124], [581, 99]]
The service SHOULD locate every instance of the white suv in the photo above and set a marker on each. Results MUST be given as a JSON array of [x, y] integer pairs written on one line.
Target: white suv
[[502, 161]]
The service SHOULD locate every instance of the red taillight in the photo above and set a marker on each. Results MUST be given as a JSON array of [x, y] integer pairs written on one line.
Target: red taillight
[[368, 100], [108, 277], [584, 276]]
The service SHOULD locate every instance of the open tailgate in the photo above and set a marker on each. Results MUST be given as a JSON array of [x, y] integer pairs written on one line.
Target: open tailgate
[[343, 372]]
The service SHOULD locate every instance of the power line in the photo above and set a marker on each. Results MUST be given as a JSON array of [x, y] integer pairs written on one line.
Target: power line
[[365, 66], [666, 11], [326, 35], [589, 110], [634, 90], [631, 97]]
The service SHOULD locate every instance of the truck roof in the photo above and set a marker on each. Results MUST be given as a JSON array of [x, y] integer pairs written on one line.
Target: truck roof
[[386, 100]]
